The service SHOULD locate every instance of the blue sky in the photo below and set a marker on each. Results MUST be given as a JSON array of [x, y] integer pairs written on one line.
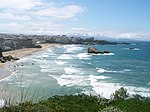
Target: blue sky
[[111, 18]]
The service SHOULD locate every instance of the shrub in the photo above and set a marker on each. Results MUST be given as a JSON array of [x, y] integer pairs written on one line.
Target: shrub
[[120, 94], [111, 109]]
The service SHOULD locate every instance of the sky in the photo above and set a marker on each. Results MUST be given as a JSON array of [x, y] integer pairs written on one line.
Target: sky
[[116, 19]]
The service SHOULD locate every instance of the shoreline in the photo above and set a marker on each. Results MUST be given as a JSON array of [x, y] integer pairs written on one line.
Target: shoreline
[[19, 53]]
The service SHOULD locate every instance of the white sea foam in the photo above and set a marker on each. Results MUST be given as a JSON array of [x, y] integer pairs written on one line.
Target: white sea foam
[[42, 55], [65, 56], [73, 48], [5, 79], [60, 62], [105, 54], [88, 56], [25, 59], [106, 89], [127, 70], [71, 70], [122, 71], [89, 63], [67, 46], [134, 49], [45, 65], [109, 54], [9, 78], [84, 56], [38, 60], [93, 77], [102, 88], [50, 50], [45, 55], [41, 61], [69, 80], [138, 90], [101, 70], [45, 70]]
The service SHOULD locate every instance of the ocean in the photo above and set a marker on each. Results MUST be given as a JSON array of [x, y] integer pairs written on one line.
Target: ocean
[[69, 69]]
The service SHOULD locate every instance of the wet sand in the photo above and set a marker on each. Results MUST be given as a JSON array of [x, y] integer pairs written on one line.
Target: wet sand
[[20, 53]]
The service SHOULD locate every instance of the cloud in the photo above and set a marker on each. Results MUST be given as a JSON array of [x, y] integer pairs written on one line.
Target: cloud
[[118, 34], [10, 16], [35, 27], [35, 16], [41, 8], [78, 29], [19, 4], [64, 12]]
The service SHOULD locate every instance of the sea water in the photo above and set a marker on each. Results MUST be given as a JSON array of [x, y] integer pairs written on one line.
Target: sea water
[[69, 69]]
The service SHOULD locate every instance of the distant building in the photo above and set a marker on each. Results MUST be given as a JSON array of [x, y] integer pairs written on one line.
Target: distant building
[[2, 46], [75, 40], [64, 39], [90, 39], [23, 43], [9, 44]]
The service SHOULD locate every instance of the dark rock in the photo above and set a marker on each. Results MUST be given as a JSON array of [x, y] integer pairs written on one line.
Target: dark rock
[[9, 58], [131, 48], [93, 50], [106, 51], [96, 51], [2, 60], [15, 59], [37, 46]]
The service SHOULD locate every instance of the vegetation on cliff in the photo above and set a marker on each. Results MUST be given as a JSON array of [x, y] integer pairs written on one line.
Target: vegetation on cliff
[[120, 102]]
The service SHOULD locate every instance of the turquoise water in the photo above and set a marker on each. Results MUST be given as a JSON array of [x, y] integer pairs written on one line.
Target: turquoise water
[[69, 69]]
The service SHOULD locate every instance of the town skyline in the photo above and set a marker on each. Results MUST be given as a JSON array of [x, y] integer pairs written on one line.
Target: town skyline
[[114, 19]]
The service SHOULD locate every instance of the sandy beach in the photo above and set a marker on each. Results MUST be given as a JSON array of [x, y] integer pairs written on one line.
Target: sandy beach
[[20, 53]]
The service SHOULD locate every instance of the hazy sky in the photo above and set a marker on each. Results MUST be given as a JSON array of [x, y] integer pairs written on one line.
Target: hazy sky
[[111, 18]]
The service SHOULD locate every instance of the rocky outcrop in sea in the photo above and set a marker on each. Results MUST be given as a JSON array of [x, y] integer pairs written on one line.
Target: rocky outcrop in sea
[[96, 51]]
